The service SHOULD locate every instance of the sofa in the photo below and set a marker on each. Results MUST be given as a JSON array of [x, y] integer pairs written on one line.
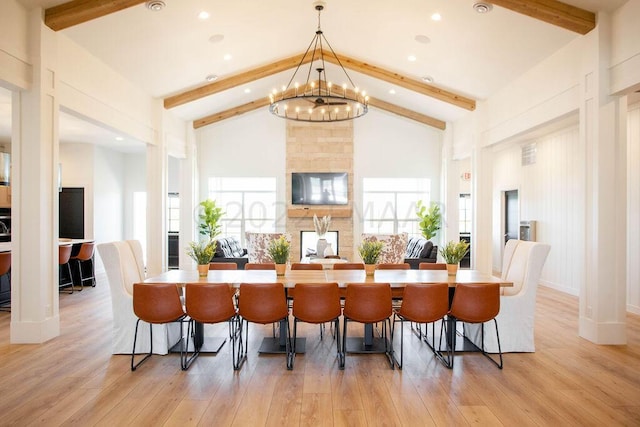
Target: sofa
[[420, 250], [228, 249]]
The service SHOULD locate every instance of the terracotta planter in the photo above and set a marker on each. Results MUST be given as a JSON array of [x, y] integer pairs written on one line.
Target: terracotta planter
[[203, 270], [280, 269], [370, 269], [452, 269]]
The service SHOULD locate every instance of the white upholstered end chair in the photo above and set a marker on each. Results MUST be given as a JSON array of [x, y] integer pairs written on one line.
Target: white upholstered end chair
[[124, 266], [522, 264], [395, 246]]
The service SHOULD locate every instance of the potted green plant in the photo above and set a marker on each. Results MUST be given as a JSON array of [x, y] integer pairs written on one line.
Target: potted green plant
[[201, 252], [279, 250], [210, 219], [430, 219], [370, 251], [452, 253]]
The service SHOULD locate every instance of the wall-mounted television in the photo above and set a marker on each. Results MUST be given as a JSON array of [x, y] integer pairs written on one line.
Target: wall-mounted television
[[319, 188]]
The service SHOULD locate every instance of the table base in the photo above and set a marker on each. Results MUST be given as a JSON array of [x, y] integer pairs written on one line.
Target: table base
[[358, 345], [272, 346]]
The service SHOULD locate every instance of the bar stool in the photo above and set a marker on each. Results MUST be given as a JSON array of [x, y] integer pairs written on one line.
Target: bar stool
[[223, 266], [64, 254], [85, 255], [476, 303], [212, 303], [368, 303], [156, 303], [349, 266], [316, 303], [5, 268], [423, 303], [262, 303]]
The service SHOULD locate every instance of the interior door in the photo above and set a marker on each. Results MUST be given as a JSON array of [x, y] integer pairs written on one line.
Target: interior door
[[510, 215]]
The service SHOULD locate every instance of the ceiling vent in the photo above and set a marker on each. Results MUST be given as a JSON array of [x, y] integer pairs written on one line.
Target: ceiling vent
[[155, 5], [529, 154], [482, 7]]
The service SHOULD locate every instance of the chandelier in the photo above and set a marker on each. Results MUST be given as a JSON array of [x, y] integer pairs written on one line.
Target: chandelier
[[319, 100]]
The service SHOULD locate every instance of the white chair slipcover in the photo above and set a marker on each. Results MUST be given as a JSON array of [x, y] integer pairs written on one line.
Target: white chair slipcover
[[522, 264], [124, 266]]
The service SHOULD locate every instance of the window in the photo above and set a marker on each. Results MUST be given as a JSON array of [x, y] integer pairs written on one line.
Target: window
[[249, 204], [173, 213], [389, 204], [464, 214]]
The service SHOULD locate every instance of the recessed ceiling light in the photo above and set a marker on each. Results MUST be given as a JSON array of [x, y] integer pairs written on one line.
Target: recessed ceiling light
[[421, 38], [392, 91], [227, 57], [155, 5], [427, 79], [436, 17], [411, 58], [119, 138], [203, 15], [247, 90], [211, 78], [216, 38], [482, 7]]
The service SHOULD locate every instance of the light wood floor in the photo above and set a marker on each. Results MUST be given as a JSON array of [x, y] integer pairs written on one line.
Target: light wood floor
[[74, 379]]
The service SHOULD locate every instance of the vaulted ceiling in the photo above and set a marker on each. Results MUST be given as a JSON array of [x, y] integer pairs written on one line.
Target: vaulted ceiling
[[389, 48]]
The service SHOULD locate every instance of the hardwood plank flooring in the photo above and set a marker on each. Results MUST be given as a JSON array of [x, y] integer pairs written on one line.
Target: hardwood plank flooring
[[74, 380]]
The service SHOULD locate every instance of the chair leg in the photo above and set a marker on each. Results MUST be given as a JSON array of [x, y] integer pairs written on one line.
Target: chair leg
[[495, 362], [344, 344], [133, 352], [397, 319], [186, 361], [291, 355], [243, 341], [239, 356], [82, 279], [388, 345]]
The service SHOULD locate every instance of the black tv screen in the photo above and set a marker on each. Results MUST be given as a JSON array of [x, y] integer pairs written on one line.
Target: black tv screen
[[319, 188]]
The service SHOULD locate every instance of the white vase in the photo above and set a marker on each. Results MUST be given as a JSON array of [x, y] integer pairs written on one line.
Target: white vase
[[328, 251], [320, 247]]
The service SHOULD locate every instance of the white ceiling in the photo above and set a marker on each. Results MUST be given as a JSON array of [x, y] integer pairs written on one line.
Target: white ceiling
[[470, 54]]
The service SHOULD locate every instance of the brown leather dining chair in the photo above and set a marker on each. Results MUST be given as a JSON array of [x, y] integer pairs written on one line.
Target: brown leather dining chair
[[156, 303], [390, 266], [349, 266], [212, 303], [84, 256], [223, 266], [262, 303], [476, 303], [432, 266], [65, 278], [305, 266], [316, 303], [259, 266], [423, 303], [368, 303]]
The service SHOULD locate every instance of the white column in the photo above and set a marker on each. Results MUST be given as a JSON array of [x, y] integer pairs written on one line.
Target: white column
[[157, 172], [603, 137], [482, 201], [188, 197], [34, 278], [450, 189]]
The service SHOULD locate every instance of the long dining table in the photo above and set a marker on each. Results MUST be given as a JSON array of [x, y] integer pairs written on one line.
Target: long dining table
[[368, 343]]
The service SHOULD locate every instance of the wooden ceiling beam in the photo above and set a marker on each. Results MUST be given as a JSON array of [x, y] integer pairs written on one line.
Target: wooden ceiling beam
[[402, 81], [234, 80], [263, 102], [76, 12], [292, 62], [554, 12]]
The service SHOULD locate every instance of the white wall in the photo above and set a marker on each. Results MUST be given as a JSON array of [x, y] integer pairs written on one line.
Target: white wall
[[633, 209], [249, 145], [108, 195], [77, 164], [134, 175], [545, 194]]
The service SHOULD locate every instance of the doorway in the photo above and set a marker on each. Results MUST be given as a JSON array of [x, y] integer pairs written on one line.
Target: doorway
[[510, 215]]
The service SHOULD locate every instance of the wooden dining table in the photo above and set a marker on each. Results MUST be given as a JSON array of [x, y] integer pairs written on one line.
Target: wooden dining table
[[366, 344]]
